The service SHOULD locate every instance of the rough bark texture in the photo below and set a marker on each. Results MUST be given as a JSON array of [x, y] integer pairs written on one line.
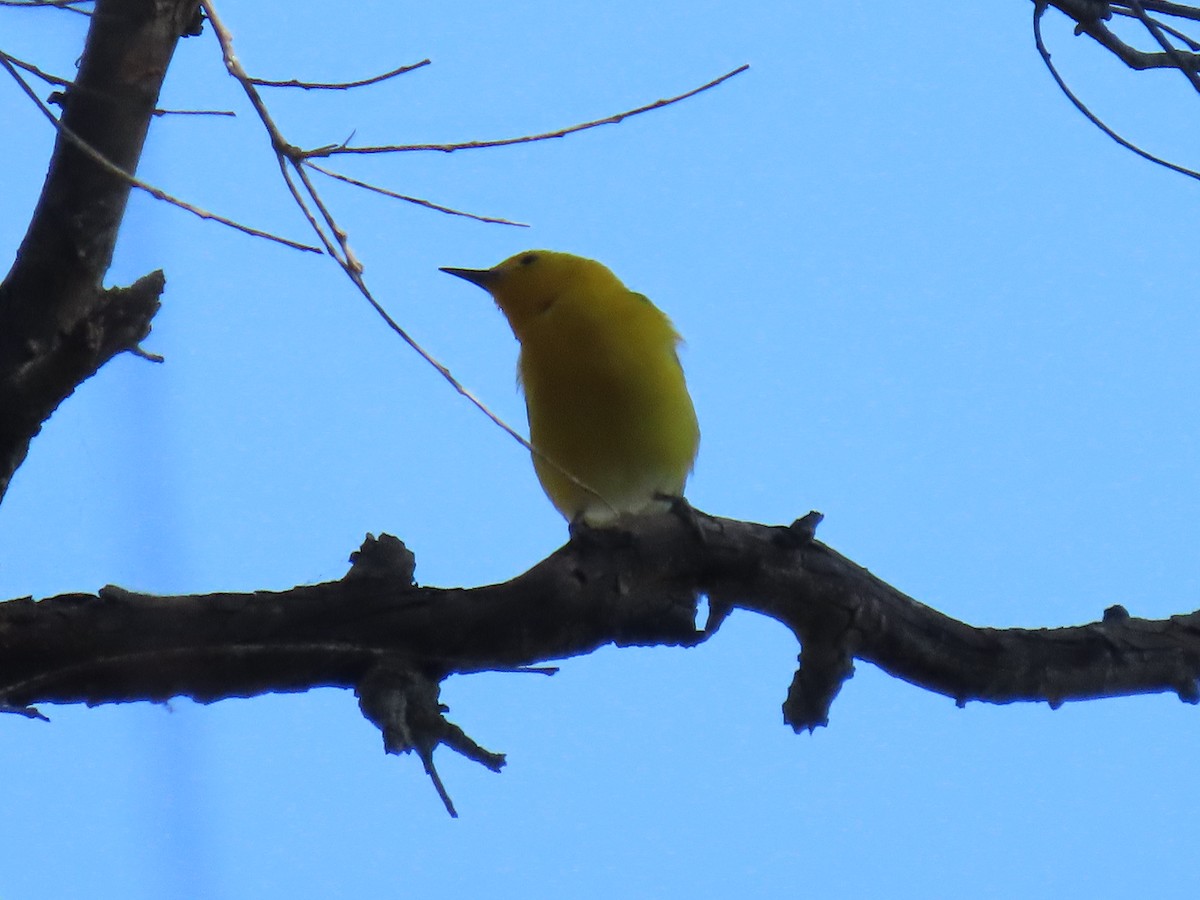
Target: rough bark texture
[[636, 586], [57, 323]]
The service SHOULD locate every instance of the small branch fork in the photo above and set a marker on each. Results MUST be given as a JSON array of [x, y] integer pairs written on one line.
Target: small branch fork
[[391, 641], [295, 163], [1091, 17], [10, 64], [40, 301]]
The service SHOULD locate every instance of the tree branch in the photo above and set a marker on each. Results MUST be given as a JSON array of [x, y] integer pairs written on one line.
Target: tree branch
[[57, 323], [638, 586], [1090, 17]]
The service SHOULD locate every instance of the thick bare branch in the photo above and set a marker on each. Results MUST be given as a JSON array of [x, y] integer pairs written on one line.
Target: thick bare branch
[[57, 325], [639, 586]]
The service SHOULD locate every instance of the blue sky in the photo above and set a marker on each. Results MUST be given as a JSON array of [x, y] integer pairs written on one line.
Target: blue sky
[[920, 294]]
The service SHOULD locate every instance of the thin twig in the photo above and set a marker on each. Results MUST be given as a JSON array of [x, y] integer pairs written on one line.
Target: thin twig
[[68, 5], [351, 262], [289, 154], [504, 142], [431, 770], [66, 82], [1174, 32], [292, 160], [34, 70], [195, 112], [417, 200], [1172, 9], [101, 160], [339, 85], [1038, 10]]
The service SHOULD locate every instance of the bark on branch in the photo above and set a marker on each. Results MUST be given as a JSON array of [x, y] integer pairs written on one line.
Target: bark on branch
[[58, 324], [636, 586]]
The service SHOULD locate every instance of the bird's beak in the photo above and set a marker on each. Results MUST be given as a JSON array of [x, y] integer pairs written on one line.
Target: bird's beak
[[482, 277]]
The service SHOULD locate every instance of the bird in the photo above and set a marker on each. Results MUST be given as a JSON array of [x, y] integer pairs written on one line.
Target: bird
[[611, 423]]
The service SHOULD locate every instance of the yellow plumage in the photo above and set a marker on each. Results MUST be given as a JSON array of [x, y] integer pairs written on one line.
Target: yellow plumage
[[610, 418]]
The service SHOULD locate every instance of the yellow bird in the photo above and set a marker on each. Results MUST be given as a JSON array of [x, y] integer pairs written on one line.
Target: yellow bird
[[610, 417]]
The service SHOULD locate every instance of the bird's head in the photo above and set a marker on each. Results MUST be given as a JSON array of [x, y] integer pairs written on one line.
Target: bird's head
[[526, 285]]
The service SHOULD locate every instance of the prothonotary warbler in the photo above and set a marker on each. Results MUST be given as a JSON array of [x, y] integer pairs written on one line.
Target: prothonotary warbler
[[610, 418]]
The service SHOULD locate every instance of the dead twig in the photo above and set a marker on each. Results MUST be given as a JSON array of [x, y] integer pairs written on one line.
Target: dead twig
[[339, 85], [67, 5], [417, 200], [136, 182], [529, 138]]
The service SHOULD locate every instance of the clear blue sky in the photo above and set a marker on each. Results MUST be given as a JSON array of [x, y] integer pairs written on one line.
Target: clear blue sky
[[920, 294]]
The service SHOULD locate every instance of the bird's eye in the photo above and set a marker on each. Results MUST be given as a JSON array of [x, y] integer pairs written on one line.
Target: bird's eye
[[528, 259]]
